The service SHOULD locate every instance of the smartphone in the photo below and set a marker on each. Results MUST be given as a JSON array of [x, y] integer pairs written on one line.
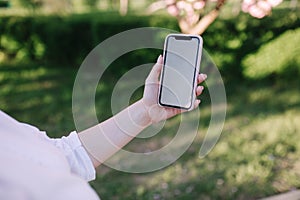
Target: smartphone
[[181, 64]]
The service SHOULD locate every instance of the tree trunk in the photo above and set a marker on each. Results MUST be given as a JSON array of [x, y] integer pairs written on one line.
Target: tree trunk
[[203, 23], [201, 26], [123, 7]]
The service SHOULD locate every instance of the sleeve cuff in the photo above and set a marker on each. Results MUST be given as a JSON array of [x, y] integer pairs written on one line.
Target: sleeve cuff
[[78, 158]]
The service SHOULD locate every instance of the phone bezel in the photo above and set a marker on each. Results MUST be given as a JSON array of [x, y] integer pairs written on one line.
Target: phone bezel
[[196, 71]]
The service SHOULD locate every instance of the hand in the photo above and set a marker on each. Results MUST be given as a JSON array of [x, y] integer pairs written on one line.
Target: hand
[[156, 112]]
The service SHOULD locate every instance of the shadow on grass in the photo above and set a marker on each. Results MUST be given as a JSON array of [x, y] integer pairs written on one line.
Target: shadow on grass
[[38, 95], [254, 157]]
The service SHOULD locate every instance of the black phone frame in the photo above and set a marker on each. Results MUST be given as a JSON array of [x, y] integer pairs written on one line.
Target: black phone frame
[[177, 37]]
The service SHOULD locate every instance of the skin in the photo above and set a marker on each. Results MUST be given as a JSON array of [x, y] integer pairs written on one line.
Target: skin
[[105, 139]]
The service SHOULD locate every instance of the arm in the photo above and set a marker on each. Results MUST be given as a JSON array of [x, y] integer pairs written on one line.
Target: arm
[[105, 139]]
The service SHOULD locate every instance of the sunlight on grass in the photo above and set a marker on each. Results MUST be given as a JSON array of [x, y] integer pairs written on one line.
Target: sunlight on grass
[[244, 158], [283, 48], [257, 155]]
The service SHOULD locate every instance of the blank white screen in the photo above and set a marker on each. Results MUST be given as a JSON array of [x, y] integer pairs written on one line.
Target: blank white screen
[[179, 71]]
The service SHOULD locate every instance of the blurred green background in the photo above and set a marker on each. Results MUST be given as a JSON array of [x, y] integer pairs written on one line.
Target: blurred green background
[[42, 44]]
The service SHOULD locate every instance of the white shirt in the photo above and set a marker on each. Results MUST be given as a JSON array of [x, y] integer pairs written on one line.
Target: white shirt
[[36, 167]]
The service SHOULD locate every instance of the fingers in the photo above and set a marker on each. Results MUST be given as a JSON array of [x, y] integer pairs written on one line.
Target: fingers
[[155, 72], [196, 103], [201, 78], [199, 90]]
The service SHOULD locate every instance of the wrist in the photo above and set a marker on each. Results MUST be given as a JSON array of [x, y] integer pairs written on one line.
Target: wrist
[[155, 113], [141, 112]]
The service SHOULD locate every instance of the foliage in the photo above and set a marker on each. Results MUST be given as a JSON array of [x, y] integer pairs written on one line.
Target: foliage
[[278, 56], [65, 40], [4, 3], [230, 41]]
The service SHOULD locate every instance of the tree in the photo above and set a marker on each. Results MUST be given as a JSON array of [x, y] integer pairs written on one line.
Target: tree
[[123, 7], [194, 16]]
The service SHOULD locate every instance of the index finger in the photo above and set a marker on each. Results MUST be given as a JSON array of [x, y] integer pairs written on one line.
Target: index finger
[[201, 78]]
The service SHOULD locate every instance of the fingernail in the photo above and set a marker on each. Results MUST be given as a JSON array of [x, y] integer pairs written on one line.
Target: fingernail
[[199, 101], [159, 57]]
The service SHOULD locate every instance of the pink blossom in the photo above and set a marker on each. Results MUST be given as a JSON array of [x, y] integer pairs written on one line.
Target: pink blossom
[[189, 8], [249, 2], [255, 11], [199, 5], [173, 10], [245, 8], [263, 5], [246, 4], [181, 4]]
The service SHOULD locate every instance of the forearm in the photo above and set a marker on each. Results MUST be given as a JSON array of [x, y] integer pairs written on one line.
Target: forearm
[[105, 139]]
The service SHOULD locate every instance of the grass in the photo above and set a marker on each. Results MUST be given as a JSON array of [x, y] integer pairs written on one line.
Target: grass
[[257, 155], [38, 95]]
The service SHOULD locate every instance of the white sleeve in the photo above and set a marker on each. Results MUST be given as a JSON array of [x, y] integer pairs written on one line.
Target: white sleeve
[[79, 161], [70, 146]]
